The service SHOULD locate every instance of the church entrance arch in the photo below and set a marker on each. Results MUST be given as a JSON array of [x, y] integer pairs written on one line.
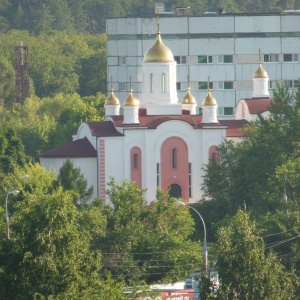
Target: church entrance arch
[[175, 191], [175, 167]]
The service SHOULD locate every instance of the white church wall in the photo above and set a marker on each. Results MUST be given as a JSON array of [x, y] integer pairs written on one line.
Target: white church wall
[[114, 160], [84, 131]]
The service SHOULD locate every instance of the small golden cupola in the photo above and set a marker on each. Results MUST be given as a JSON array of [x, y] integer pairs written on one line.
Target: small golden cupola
[[209, 100], [131, 109], [188, 101], [209, 108], [131, 101], [260, 82], [112, 104], [112, 99], [260, 72], [189, 98]]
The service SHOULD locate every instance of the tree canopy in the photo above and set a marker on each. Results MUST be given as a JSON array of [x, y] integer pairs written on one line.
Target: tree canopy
[[150, 243], [247, 272]]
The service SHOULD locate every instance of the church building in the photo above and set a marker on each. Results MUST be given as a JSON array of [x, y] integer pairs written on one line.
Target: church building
[[159, 141]]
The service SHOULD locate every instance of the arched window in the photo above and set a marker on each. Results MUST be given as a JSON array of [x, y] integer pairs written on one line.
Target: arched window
[[136, 165], [151, 83], [213, 154], [175, 191], [174, 158], [135, 161], [163, 87]]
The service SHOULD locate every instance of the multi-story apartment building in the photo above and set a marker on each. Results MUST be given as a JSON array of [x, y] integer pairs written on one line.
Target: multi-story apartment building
[[224, 47]]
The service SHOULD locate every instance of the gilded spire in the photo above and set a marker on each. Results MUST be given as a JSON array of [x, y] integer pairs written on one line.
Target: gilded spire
[[158, 52], [112, 99], [209, 100], [260, 72], [131, 101], [188, 98]]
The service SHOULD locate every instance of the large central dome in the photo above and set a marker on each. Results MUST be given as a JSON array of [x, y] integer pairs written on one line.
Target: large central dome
[[158, 52]]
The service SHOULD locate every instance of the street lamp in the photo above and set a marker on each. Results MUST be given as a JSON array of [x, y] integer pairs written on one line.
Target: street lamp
[[13, 192], [204, 252]]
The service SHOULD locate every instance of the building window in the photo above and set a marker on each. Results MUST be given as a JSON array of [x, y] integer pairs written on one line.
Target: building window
[[163, 79], [225, 85], [205, 59], [157, 174], [190, 180], [213, 154], [289, 83], [181, 60], [225, 59], [181, 86], [272, 84], [225, 111], [203, 85], [174, 158], [271, 58], [122, 60], [151, 83], [135, 161], [290, 57], [123, 86], [292, 84]]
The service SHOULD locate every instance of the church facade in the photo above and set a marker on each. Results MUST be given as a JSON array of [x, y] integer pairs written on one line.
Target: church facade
[[159, 141]]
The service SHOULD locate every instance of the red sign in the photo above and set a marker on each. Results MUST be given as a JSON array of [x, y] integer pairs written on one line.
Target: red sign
[[179, 295]]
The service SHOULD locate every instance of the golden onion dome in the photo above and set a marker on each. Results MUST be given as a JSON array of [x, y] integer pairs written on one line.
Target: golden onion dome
[[209, 100], [260, 72], [112, 99], [188, 98], [158, 52], [131, 101]]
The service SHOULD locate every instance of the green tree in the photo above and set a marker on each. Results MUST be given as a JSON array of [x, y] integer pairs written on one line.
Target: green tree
[[46, 123], [72, 180], [246, 171], [7, 82], [12, 152], [48, 255], [244, 268], [150, 243]]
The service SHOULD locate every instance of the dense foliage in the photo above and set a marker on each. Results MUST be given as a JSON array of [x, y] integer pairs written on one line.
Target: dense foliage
[[247, 271], [88, 16], [59, 62], [42, 124], [261, 173], [150, 243], [61, 250]]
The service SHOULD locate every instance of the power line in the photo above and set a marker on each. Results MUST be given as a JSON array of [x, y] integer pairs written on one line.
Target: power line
[[145, 266], [281, 242], [272, 234], [156, 260], [145, 274], [141, 253]]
